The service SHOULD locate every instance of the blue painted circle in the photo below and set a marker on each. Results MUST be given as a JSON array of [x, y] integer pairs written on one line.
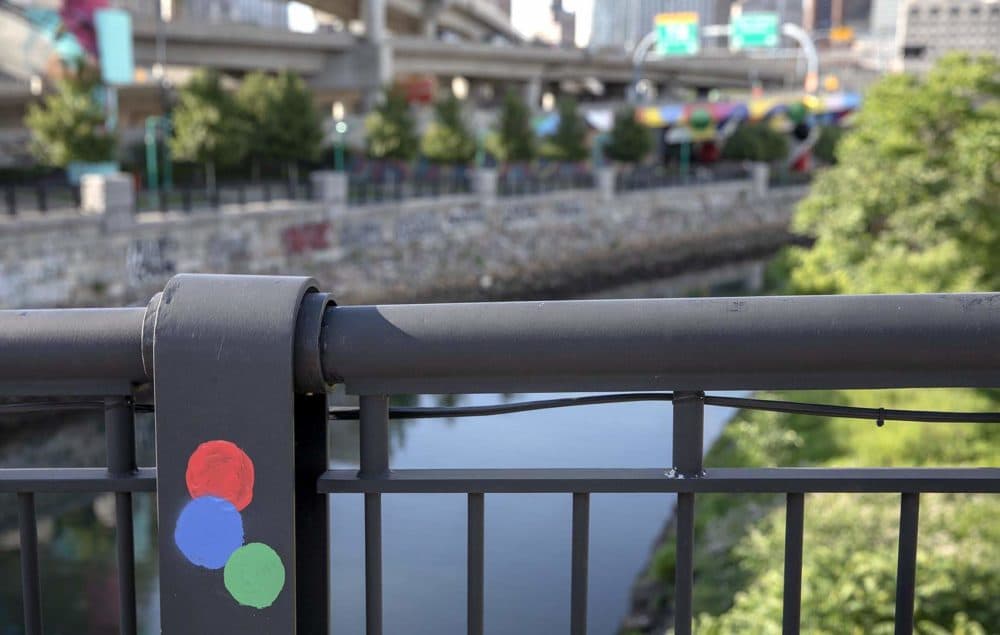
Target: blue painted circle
[[208, 531]]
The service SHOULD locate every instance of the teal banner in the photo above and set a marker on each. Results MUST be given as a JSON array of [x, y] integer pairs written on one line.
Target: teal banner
[[114, 46]]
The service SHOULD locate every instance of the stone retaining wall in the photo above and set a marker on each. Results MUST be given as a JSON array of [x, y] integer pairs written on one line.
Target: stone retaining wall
[[429, 249]]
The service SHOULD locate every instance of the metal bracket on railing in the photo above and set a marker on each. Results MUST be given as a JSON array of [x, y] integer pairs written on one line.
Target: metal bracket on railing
[[231, 471]]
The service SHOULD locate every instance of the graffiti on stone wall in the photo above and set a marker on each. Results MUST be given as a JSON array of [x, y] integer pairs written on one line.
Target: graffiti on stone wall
[[411, 227], [150, 260], [363, 234], [568, 208], [299, 239], [226, 251]]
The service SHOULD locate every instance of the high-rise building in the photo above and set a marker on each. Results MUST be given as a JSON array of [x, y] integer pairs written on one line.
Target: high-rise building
[[931, 28]]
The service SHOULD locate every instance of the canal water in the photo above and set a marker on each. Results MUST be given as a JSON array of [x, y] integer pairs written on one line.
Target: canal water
[[527, 572]]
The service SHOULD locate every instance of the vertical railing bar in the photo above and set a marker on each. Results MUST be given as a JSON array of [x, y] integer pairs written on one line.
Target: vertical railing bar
[[684, 571], [688, 437], [906, 572], [374, 433], [476, 550], [794, 519], [581, 546], [119, 434], [30, 586]]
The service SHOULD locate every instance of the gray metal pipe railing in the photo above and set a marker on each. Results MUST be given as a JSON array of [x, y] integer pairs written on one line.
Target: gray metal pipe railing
[[680, 344], [71, 344]]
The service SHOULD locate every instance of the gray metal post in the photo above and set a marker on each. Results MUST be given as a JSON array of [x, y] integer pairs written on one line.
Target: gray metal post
[[689, 413], [119, 432], [230, 473], [374, 422]]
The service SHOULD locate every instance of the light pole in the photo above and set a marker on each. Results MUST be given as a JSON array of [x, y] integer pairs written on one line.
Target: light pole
[[339, 127]]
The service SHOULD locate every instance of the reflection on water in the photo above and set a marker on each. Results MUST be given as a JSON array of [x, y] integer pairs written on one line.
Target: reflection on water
[[527, 536]]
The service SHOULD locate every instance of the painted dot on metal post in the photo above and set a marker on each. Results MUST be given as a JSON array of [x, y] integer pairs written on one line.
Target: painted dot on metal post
[[255, 575], [208, 531], [220, 468]]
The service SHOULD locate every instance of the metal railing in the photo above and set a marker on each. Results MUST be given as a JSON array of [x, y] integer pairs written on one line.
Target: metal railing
[[230, 194], [518, 180], [247, 360]]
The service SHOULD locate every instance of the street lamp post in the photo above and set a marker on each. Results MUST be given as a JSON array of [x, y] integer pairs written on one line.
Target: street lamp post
[[339, 127]]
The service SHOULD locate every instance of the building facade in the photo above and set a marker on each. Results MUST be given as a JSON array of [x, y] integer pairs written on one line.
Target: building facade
[[930, 28]]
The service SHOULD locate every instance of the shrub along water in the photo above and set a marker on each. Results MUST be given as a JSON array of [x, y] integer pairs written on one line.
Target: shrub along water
[[911, 206]]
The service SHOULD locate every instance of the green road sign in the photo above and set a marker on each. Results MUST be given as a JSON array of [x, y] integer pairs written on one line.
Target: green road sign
[[754, 30], [677, 33]]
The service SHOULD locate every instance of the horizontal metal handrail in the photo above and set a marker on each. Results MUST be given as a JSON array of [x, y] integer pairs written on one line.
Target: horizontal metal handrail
[[681, 344], [802, 342]]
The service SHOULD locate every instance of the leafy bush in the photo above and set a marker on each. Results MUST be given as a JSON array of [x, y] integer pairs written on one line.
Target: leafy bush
[[209, 126], [911, 205], [569, 142], [849, 568], [285, 124], [515, 140], [826, 146], [448, 140], [69, 126], [755, 142], [629, 141], [391, 129]]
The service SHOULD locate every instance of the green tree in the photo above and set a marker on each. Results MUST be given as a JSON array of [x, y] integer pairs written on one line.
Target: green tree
[[209, 126], [447, 139], [912, 205], [69, 125], [516, 138], [629, 141], [755, 142], [285, 124], [391, 130], [569, 142], [826, 146]]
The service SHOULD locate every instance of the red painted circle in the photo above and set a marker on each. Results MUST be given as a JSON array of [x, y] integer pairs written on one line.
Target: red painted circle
[[220, 468]]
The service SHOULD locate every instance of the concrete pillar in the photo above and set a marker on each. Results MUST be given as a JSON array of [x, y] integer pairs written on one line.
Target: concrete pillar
[[373, 13], [485, 181], [111, 195], [330, 187], [605, 179], [760, 175], [533, 93], [432, 12]]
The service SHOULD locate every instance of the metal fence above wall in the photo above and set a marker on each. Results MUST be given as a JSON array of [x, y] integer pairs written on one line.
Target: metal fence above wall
[[241, 365]]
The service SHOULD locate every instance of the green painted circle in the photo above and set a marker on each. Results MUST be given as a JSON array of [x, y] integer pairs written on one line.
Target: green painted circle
[[254, 575]]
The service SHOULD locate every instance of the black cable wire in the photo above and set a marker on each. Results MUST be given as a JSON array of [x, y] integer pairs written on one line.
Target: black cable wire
[[521, 406], [744, 403]]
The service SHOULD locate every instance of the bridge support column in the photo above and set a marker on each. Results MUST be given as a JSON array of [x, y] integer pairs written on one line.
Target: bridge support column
[[112, 195], [373, 13], [241, 421]]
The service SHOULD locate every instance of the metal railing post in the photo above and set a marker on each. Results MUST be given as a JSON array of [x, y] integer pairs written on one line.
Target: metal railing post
[[236, 488], [374, 422], [689, 414], [119, 432]]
